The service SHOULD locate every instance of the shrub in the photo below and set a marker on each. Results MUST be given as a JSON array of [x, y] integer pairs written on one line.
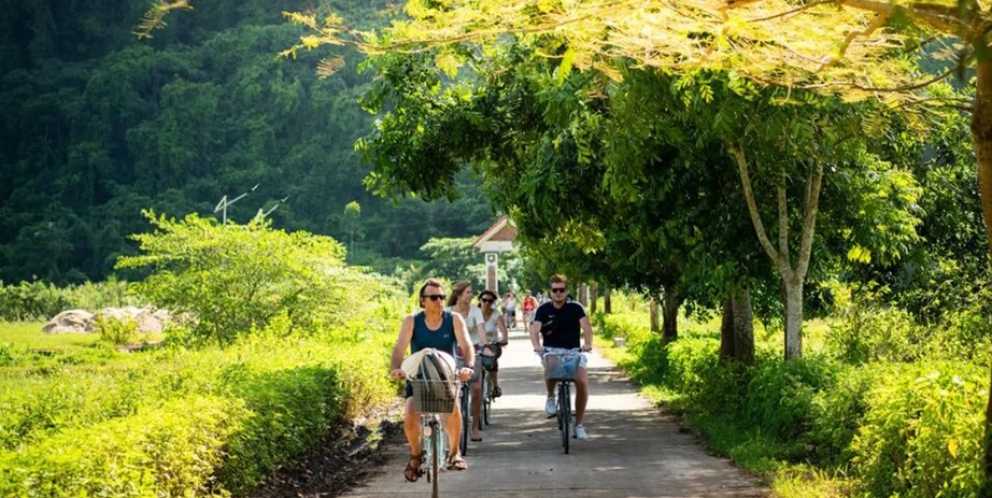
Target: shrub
[[836, 414], [169, 451], [39, 301], [921, 435], [868, 331], [235, 278], [118, 331]]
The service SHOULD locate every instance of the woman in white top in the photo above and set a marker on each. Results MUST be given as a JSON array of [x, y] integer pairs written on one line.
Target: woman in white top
[[510, 309], [460, 301], [493, 323]]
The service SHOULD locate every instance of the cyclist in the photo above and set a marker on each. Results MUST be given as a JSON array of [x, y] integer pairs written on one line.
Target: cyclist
[[510, 309], [432, 327], [494, 323], [530, 306], [559, 324], [460, 302]]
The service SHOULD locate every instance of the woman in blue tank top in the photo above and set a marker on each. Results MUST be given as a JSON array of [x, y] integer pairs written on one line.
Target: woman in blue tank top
[[432, 328]]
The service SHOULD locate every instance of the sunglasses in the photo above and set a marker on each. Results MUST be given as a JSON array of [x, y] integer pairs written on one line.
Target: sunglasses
[[435, 297], [488, 300], [557, 290]]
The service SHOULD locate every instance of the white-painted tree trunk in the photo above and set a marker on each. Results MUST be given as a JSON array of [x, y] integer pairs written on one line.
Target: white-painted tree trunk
[[793, 318]]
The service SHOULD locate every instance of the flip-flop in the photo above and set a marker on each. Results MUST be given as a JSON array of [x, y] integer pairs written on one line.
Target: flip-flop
[[477, 440], [457, 463]]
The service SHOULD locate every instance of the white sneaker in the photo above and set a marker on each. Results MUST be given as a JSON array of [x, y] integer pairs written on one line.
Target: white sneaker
[[550, 407], [580, 433]]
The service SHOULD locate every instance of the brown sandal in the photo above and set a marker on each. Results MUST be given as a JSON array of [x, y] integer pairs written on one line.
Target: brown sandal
[[412, 473], [456, 462]]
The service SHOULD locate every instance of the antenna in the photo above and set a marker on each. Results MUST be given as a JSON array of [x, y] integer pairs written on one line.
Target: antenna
[[222, 205], [262, 213]]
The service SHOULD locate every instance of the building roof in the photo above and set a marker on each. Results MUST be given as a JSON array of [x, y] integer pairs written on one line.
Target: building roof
[[502, 230]]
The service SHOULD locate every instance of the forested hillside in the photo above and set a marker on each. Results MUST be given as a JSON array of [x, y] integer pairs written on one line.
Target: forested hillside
[[98, 125]]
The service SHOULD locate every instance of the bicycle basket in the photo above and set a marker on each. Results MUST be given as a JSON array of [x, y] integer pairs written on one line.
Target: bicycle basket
[[488, 362], [561, 367], [434, 396]]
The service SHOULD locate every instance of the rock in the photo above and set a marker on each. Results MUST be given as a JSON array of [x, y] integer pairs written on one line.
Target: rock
[[149, 320], [70, 322]]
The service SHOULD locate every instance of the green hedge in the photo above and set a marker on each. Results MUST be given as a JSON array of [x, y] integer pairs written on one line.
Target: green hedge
[[895, 429], [179, 422], [169, 451]]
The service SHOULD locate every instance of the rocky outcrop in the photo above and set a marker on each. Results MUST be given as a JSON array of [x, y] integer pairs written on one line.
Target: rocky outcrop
[[70, 322], [149, 320]]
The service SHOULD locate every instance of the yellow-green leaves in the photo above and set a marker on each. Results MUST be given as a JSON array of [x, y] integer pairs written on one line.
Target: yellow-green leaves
[[859, 254], [565, 68]]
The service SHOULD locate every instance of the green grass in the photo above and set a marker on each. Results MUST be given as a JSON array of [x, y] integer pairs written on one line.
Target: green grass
[[29, 335]]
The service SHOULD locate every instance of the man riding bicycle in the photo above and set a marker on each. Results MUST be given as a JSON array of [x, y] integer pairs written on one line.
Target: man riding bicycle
[[558, 324], [432, 327]]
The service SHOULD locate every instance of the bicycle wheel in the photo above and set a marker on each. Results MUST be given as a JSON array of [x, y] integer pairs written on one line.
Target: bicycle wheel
[[565, 408], [466, 419], [487, 393], [438, 453]]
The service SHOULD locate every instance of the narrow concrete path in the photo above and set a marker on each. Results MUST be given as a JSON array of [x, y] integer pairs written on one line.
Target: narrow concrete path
[[632, 450]]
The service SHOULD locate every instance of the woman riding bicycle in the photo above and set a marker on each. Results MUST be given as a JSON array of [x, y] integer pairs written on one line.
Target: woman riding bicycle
[[460, 302], [494, 323], [441, 330]]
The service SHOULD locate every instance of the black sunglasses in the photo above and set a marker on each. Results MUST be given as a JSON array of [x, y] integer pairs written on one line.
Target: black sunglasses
[[435, 297], [557, 290], [488, 300]]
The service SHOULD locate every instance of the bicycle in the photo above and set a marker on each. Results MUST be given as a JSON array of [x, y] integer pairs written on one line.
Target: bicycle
[[465, 402], [488, 391], [429, 402], [563, 374]]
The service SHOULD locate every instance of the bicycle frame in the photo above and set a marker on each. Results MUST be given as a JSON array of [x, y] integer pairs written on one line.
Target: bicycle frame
[[433, 450], [563, 401]]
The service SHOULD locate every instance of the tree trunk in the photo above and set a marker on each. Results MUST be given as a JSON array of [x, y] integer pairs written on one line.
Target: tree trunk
[[743, 328], [792, 276], [981, 130], [655, 323], [670, 312], [793, 318], [607, 302], [727, 335], [580, 295], [592, 298]]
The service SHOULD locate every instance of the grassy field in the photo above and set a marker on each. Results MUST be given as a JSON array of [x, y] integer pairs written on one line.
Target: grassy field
[[29, 335]]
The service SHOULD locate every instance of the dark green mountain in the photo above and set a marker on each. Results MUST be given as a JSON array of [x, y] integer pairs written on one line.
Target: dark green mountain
[[97, 126]]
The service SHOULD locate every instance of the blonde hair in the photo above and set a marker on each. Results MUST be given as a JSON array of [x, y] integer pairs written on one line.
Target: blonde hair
[[457, 290], [559, 279]]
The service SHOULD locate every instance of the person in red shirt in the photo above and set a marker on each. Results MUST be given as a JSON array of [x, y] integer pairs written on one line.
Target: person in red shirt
[[530, 306]]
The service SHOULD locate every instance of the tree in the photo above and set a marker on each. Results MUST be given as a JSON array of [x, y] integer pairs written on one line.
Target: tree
[[351, 223], [236, 278]]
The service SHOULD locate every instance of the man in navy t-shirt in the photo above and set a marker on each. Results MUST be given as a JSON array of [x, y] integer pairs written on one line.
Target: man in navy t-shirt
[[558, 327]]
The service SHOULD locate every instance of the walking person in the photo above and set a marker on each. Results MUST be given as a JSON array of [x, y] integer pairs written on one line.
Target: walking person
[[432, 327], [460, 303], [558, 327], [494, 324]]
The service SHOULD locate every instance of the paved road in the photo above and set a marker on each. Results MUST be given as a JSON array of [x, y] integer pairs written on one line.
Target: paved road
[[632, 450]]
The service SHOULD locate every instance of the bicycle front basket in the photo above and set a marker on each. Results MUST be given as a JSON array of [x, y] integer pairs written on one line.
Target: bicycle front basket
[[488, 362], [434, 396], [561, 367]]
